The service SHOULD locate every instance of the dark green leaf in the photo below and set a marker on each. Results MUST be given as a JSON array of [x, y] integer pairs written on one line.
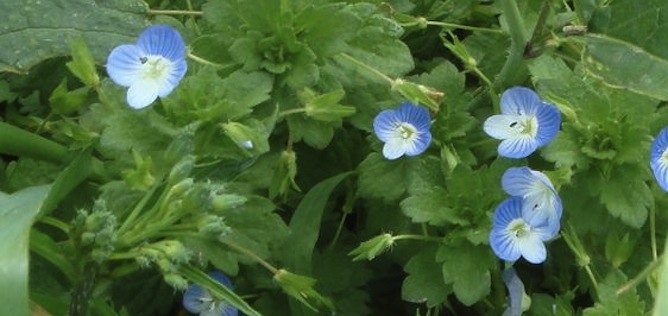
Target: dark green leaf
[[31, 27]]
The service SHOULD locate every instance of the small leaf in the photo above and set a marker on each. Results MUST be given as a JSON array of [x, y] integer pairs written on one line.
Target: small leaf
[[82, 64]]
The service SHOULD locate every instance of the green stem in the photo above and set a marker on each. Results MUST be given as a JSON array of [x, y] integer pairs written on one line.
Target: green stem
[[252, 255], [417, 237], [174, 12], [339, 228], [574, 243], [640, 277], [52, 221], [136, 211], [464, 27], [511, 71], [18, 142], [367, 67], [291, 111], [204, 61], [652, 232], [538, 29]]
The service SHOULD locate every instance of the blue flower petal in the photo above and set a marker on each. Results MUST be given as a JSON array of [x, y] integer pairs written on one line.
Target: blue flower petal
[[501, 126], [384, 125], [533, 249], [178, 71], [420, 144], [394, 148], [142, 93], [658, 163], [549, 123], [515, 292], [541, 203], [508, 243], [504, 245], [416, 115], [517, 147], [162, 40], [199, 301], [404, 130], [519, 101], [196, 299], [124, 63]]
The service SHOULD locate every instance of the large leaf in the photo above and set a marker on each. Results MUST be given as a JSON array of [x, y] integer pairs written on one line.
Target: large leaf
[[32, 31], [628, 52], [17, 212], [661, 304], [305, 224]]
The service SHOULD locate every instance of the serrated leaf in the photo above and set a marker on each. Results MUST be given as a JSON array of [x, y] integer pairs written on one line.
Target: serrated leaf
[[424, 283], [30, 28], [610, 303], [382, 178], [627, 196], [467, 267], [431, 207]]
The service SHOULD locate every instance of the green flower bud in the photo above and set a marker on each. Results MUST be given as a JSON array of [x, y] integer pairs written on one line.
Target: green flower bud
[[226, 202], [372, 247], [301, 288]]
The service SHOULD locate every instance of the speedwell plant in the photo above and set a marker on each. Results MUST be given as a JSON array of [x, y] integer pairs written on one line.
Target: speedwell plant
[[331, 157]]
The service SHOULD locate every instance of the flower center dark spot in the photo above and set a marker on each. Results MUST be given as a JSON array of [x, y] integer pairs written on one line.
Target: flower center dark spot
[[143, 60]]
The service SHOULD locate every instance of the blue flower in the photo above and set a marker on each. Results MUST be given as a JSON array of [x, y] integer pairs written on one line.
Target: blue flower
[[659, 158], [541, 202], [150, 68], [405, 130], [513, 235], [515, 292], [525, 123], [198, 300]]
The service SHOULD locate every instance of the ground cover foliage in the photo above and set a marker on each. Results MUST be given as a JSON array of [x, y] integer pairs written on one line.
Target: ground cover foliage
[[263, 162]]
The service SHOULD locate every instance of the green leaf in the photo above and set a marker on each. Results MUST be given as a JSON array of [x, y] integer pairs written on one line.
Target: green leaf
[[325, 107], [305, 224], [382, 178], [431, 207], [82, 64], [627, 196], [625, 65], [661, 303], [17, 213], [63, 101], [377, 43], [30, 28], [623, 53], [467, 267], [609, 303], [314, 133], [424, 282]]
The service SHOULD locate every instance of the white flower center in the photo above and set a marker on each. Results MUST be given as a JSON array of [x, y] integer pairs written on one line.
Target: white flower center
[[664, 156], [519, 228], [154, 67], [525, 126], [406, 131]]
